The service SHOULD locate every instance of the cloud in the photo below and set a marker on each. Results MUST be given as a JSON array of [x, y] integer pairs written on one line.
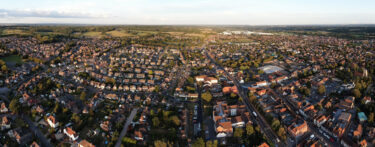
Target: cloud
[[49, 13]]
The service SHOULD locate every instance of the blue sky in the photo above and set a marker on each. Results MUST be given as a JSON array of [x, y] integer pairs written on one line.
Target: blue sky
[[242, 12]]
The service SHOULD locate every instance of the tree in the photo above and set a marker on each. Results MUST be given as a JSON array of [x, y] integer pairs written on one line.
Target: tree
[[199, 143], [207, 96], [281, 133], [14, 105], [110, 81], [273, 85], [321, 89], [57, 108], [155, 121], [249, 129], [175, 120], [160, 143], [356, 93], [238, 132], [371, 118], [275, 124], [190, 80], [82, 96], [157, 88], [211, 143], [233, 95], [4, 68]]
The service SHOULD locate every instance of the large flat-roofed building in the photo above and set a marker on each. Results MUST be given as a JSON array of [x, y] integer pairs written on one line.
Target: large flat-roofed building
[[270, 69]]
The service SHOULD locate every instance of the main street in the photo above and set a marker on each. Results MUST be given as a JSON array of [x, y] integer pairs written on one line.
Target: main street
[[265, 127]]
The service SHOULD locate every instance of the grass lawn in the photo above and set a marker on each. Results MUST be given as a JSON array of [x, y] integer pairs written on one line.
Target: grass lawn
[[12, 58]]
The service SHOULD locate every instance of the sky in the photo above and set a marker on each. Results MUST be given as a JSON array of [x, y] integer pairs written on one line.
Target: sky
[[206, 12]]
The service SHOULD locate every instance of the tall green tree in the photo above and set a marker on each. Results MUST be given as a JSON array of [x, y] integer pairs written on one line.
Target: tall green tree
[[82, 97], [238, 132], [198, 143], [321, 89], [356, 93], [155, 121], [14, 105], [249, 129], [207, 96]]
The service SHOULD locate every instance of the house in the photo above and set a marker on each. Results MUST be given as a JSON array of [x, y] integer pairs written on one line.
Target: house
[[358, 132], [138, 135], [85, 143], [105, 125], [298, 128], [362, 117], [366, 99], [227, 90], [321, 120], [39, 109], [192, 95], [200, 78], [264, 144], [210, 80], [363, 143], [111, 96], [51, 120], [261, 92], [224, 129], [5, 123], [34, 144], [3, 108], [25, 97], [71, 133], [237, 122], [261, 84]]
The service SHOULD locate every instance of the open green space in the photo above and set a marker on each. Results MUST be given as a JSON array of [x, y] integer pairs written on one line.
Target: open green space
[[12, 58]]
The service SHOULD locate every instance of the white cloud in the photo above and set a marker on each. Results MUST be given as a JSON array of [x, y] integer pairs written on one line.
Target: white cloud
[[44, 13]]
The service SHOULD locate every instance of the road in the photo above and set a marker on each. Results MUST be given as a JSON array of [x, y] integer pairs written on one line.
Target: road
[[126, 125], [265, 127], [36, 131]]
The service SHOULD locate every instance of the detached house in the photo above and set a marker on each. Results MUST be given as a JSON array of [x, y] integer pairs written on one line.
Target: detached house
[[3, 108], [51, 120], [70, 133], [138, 135], [85, 143], [224, 129], [5, 123]]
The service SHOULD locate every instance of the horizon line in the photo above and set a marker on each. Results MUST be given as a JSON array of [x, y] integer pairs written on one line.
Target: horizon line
[[95, 24]]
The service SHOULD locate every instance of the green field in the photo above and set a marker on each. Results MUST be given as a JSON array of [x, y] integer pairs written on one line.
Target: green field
[[93, 34], [116, 33], [14, 32], [12, 58]]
